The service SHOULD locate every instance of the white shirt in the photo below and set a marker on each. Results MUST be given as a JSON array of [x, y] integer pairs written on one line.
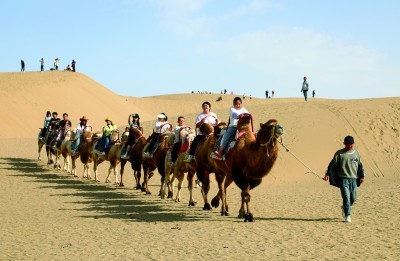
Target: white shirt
[[234, 115], [210, 118], [162, 127]]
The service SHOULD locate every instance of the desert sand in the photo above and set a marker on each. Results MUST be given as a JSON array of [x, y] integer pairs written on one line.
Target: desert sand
[[50, 215]]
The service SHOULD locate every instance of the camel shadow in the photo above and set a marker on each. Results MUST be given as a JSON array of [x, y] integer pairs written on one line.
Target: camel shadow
[[97, 200]]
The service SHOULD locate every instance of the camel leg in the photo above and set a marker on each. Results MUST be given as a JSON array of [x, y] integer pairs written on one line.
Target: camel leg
[[242, 213], [137, 175], [116, 175], [221, 187], [205, 188], [190, 187], [108, 175], [89, 176], [246, 196], [123, 162], [73, 170], [147, 174], [96, 177]]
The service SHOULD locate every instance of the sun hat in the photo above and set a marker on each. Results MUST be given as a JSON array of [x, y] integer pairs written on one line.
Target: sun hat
[[108, 119], [83, 118], [349, 140], [161, 116]]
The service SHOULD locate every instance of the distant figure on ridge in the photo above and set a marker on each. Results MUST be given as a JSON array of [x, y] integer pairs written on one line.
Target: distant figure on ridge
[[56, 64], [313, 93], [304, 88], [73, 65], [273, 93], [266, 94], [22, 65], [42, 65]]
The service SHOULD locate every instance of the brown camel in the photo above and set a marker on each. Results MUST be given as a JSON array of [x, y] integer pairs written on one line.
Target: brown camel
[[113, 156], [204, 165], [251, 159], [135, 156], [179, 169], [85, 152], [41, 142], [156, 162]]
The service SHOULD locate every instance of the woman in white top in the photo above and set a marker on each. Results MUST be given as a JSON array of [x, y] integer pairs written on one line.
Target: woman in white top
[[160, 127], [234, 113], [205, 117]]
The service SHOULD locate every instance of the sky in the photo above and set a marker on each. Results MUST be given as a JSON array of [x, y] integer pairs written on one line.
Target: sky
[[348, 49]]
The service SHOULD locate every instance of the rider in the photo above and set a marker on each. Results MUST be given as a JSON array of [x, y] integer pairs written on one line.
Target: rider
[[107, 130], [80, 129], [45, 125], [177, 142], [135, 124], [53, 125], [205, 117], [234, 112], [161, 126], [63, 123]]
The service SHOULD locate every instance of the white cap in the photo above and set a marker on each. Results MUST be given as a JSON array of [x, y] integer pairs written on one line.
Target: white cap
[[161, 116]]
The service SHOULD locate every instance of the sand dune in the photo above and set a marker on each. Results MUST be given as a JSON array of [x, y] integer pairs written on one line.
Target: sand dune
[[50, 215]]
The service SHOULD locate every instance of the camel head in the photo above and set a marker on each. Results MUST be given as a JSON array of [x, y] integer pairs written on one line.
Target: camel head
[[206, 129], [171, 139], [186, 135], [270, 131], [220, 126]]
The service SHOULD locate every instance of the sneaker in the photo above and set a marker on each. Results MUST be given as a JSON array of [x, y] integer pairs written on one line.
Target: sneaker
[[146, 154], [125, 156], [347, 219], [102, 153], [188, 158], [216, 155]]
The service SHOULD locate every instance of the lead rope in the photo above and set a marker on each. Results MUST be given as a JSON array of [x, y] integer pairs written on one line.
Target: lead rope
[[310, 170]]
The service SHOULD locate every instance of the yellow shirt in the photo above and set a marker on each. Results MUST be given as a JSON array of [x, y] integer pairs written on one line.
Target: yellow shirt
[[108, 129]]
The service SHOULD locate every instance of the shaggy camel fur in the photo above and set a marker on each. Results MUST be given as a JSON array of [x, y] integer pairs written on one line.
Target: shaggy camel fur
[[251, 159], [157, 162], [113, 156], [179, 169], [204, 165], [135, 156], [85, 153]]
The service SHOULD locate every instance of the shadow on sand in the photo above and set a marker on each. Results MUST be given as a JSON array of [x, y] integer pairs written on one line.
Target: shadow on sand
[[102, 200]]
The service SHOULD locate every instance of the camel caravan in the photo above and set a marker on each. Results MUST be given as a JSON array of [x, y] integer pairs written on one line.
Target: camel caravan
[[231, 151]]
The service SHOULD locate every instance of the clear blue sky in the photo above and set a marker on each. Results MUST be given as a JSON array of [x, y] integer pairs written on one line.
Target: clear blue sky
[[347, 49]]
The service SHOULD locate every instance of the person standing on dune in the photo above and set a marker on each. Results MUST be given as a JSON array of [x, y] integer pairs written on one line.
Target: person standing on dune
[[304, 88]]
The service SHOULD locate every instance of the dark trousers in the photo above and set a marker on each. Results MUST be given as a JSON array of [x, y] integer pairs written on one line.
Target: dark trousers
[[175, 151], [194, 144]]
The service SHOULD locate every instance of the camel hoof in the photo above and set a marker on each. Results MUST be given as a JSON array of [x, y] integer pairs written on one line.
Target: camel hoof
[[138, 186], [207, 206], [249, 217], [192, 203], [170, 194], [148, 193], [215, 202], [121, 184]]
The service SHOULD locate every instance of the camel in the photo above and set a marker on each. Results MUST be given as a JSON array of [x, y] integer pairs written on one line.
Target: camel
[[41, 142], [58, 150], [204, 165], [113, 156], [251, 159], [65, 149], [84, 153], [50, 141], [135, 156], [179, 169], [156, 162]]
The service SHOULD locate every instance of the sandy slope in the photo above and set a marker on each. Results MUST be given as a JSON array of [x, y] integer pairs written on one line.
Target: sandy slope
[[50, 215]]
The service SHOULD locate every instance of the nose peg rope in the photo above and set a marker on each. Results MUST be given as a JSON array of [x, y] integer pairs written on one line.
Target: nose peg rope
[[310, 170]]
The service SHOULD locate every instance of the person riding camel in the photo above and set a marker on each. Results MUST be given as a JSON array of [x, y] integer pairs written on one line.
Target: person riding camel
[[161, 126], [234, 113], [107, 130], [46, 123], [177, 141], [62, 125], [79, 132], [134, 124]]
